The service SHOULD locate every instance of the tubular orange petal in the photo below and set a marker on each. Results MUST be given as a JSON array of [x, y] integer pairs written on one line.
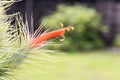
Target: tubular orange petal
[[45, 36]]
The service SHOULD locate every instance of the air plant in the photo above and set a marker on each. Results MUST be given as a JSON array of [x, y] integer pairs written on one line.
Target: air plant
[[18, 40]]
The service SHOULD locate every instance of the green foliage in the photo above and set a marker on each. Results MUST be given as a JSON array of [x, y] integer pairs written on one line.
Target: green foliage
[[10, 53], [15, 50], [86, 22], [117, 41]]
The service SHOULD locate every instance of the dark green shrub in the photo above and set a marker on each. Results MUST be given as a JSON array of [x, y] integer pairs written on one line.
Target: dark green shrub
[[86, 22]]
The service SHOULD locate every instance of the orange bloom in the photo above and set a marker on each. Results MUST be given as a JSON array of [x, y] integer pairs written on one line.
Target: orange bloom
[[45, 36]]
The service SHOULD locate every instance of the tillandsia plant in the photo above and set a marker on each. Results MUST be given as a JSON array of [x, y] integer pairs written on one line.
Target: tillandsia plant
[[18, 40]]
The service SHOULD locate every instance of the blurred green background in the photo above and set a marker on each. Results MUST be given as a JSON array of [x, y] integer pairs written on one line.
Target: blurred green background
[[86, 22], [90, 52], [96, 65], [96, 22]]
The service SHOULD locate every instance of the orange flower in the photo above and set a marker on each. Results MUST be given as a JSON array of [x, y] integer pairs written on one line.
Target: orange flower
[[45, 36]]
